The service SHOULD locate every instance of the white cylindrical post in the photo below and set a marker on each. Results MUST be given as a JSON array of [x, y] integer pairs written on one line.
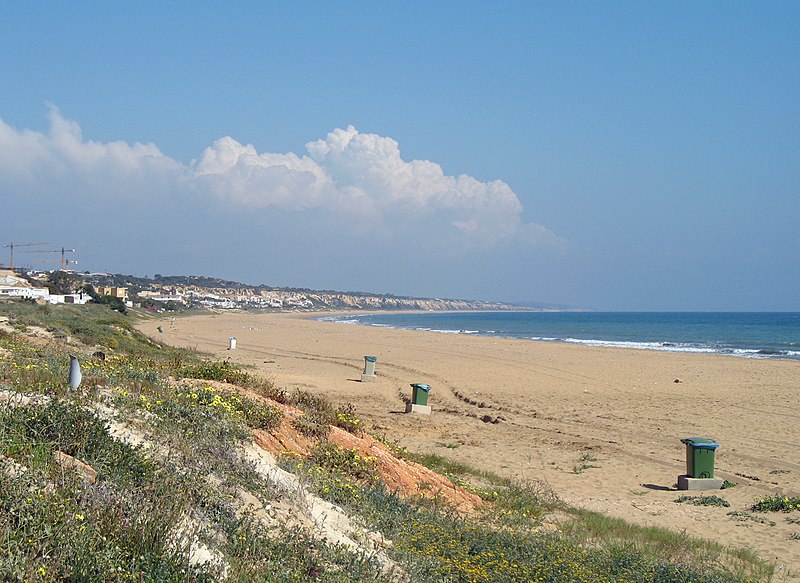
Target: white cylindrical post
[[74, 373], [232, 343]]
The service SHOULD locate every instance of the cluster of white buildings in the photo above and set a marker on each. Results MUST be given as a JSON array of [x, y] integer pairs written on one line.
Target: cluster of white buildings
[[226, 299], [13, 286]]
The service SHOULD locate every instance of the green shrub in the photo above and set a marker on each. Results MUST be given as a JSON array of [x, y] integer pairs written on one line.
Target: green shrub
[[740, 516], [311, 428], [347, 419], [266, 388], [703, 501], [223, 413], [114, 303], [289, 554], [336, 486], [445, 547], [57, 527], [220, 370], [397, 450], [63, 426], [349, 462], [584, 463], [777, 504], [318, 415], [75, 532]]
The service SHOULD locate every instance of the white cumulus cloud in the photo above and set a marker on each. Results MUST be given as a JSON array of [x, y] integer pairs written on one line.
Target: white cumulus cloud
[[243, 176], [346, 174], [41, 161], [351, 172]]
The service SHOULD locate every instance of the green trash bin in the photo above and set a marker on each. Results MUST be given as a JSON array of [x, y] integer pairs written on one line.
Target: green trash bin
[[700, 456], [419, 393]]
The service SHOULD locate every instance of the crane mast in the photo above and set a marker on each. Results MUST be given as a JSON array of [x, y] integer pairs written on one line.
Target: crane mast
[[63, 251], [12, 245]]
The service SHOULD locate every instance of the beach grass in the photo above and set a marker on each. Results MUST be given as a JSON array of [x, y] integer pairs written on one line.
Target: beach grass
[[585, 462]]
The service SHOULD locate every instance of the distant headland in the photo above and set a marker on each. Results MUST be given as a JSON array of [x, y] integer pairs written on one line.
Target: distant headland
[[178, 292]]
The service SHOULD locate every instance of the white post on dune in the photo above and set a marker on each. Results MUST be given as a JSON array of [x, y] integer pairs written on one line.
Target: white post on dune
[[75, 376]]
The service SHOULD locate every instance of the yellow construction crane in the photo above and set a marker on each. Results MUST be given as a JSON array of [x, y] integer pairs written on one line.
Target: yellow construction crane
[[64, 260], [12, 245], [68, 261]]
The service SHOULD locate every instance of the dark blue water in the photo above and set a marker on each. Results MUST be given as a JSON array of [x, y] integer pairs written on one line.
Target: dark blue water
[[753, 335]]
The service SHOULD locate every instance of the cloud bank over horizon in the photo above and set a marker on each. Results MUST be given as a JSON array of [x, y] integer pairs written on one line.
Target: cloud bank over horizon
[[348, 213], [349, 176]]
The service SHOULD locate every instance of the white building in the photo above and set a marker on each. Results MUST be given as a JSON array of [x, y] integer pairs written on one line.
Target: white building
[[13, 286], [79, 298]]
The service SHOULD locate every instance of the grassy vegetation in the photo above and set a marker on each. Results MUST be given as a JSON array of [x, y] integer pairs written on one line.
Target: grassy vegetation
[[777, 504], [436, 544], [151, 506], [742, 516], [584, 463], [188, 488], [711, 500]]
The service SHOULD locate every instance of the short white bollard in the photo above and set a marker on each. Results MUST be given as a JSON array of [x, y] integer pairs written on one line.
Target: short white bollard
[[75, 376], [232, 343]]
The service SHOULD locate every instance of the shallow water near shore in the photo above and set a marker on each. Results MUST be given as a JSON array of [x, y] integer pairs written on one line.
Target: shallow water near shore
[[744, 334]]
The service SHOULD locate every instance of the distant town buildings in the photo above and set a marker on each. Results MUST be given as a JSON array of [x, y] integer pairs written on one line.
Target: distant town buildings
[[13, 286], [114, 292], [214, 294], [225, 298]]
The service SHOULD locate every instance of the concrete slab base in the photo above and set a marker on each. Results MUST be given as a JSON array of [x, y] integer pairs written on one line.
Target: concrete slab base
[[421, 409], [688, 483], [366, 378]]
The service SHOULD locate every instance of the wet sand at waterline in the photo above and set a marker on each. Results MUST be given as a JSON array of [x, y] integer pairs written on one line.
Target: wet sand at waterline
[[601, 427]]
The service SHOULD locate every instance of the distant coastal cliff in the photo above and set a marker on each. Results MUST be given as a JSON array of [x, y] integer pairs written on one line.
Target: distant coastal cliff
[[176, 292], [370, 302]]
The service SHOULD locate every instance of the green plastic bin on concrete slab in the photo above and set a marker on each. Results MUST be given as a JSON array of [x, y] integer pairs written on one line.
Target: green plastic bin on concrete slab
[[700, 456], [419, 393]]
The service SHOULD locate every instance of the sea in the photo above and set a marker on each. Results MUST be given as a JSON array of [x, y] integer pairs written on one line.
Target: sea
[[740, 334]]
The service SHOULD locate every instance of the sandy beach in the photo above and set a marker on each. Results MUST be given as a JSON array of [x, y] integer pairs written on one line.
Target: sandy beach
[[601, 427]]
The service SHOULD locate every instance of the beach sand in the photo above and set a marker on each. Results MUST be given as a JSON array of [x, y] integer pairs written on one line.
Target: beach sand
[[601, 427]]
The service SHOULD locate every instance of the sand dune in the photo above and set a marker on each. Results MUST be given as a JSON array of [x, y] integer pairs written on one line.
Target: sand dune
[[600, 426]]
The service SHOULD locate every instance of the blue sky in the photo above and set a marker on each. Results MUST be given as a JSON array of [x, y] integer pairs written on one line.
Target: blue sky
[[620, 155]]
